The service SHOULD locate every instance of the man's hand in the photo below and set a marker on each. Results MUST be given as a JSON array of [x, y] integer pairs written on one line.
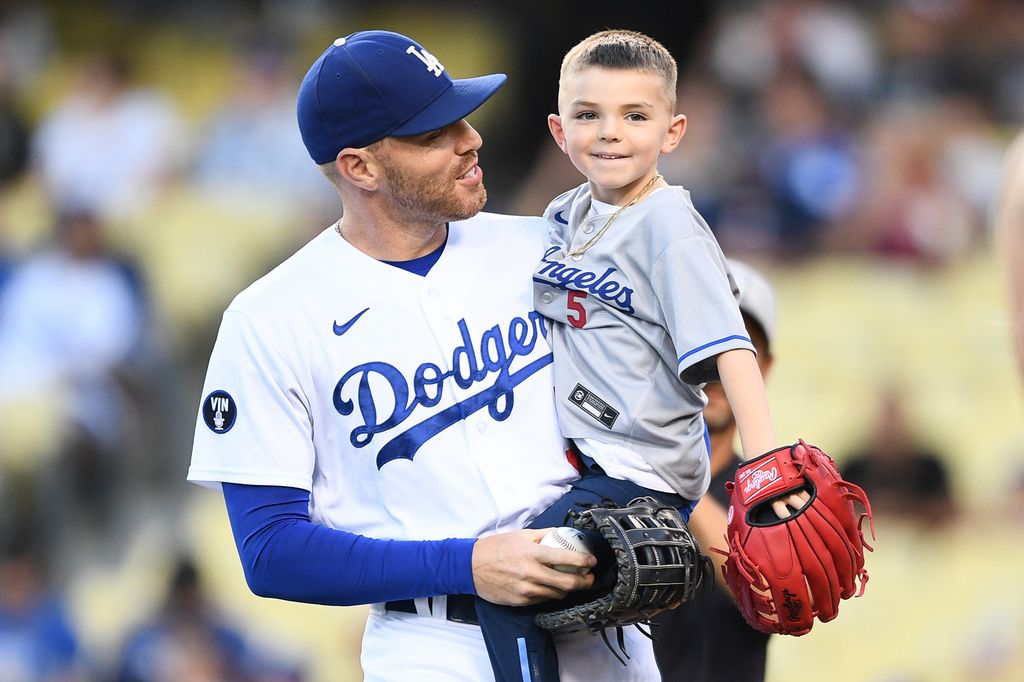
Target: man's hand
[[513, 569]]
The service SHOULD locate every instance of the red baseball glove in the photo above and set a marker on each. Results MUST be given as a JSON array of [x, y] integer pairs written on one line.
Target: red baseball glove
[[785, 571]]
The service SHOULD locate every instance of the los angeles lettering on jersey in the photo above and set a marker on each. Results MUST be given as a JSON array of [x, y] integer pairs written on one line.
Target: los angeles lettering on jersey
[[564, 276], [472, 363]]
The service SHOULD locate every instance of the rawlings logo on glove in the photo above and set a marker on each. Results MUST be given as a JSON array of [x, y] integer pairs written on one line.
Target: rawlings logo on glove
[[753, 482], [785, 572]]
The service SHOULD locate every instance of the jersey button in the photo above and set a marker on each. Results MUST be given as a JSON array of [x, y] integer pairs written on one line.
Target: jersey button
[[588, 228], [481, 427], [547, 297]]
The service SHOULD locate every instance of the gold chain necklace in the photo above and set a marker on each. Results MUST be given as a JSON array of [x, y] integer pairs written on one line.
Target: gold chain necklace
[[577, 254]]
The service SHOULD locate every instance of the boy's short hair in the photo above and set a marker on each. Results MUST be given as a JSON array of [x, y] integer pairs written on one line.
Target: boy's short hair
[[622, 49]]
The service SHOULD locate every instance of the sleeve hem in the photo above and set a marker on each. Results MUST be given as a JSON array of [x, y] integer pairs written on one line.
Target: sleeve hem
[[713, 348], [212, 478]]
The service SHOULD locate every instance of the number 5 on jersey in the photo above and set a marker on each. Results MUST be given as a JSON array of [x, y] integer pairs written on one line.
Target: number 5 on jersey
[[574, 302]]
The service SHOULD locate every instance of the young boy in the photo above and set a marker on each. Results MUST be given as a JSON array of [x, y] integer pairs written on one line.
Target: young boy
[[642, 308]]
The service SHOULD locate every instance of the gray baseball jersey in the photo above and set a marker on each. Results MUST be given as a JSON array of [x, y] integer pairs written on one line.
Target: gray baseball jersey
[[638, 319]]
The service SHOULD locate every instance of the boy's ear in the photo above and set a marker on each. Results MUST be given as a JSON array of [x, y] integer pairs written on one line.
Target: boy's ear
[[555, 126], [676, 130]]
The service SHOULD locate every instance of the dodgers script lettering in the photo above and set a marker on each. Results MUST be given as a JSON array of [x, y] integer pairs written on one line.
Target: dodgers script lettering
[[486, 360]]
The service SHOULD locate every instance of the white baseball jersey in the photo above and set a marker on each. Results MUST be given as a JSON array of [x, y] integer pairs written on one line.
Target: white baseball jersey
[[411, 408], [637, 320]]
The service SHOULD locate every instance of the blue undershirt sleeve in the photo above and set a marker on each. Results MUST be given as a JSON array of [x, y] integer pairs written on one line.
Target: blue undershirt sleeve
[[287, 556]]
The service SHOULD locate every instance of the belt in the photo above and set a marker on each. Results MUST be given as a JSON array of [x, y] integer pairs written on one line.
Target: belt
[[459, 608]]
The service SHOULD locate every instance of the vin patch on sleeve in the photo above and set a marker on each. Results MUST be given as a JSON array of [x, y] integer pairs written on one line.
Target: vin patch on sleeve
[[598, 409], [219, 411]]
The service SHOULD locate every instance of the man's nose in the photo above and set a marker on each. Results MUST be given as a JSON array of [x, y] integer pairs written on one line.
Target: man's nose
[[469, 139]]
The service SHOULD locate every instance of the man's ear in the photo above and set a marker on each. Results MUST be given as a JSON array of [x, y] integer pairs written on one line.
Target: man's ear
[[555, 126], [358, 167], [675, 133]]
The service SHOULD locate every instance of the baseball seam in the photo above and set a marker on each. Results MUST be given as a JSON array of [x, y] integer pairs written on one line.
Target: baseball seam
[[563, 541]]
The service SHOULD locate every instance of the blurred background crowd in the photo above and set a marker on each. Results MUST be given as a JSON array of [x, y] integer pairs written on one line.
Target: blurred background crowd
[[150, 168]]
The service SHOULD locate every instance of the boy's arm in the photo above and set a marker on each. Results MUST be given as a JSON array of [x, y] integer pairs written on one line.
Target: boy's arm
[[745, 391]]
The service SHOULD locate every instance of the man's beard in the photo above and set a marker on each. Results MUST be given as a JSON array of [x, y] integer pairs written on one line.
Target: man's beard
[[431, 199]]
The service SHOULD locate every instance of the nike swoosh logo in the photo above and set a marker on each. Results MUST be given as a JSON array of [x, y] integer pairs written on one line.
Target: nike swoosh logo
[[559, 218], [340, 329]]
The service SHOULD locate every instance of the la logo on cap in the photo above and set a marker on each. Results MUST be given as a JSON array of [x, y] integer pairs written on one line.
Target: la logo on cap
[[431, 62]]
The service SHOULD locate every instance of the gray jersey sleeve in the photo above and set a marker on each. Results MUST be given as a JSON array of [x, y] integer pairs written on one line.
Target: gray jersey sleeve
[[696, 294]]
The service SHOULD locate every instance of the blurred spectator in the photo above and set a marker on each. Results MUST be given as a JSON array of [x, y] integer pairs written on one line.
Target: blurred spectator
[[7, 256], [37, 640], [71, 318], [108, 146], [912, 208], [837, 45], [711, 158], [1007, 38], [921, 48], [806, 163], [27, 40], [6, 264], [14, 136], [13, 132], [759, 42], [972, 155], [187, 639], [251, 148], [903, 477]]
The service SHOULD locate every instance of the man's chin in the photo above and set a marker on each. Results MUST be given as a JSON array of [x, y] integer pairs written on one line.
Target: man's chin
[[717, 421], [471, 206]]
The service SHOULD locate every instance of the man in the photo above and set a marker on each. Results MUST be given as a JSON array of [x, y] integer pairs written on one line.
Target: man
[[707, 639], [1009, 231], [378, 409]]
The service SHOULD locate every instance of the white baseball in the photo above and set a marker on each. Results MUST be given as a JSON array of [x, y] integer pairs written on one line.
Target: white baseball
[[567, 538]]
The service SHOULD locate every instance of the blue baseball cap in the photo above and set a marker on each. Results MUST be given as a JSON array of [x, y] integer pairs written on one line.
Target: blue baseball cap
[[375, 84]]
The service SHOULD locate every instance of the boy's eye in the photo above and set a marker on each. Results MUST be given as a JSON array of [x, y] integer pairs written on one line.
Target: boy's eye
[[635, 117], [586, 116]]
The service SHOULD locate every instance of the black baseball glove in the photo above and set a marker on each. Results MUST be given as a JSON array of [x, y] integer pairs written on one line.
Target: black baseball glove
[[659, 565]]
